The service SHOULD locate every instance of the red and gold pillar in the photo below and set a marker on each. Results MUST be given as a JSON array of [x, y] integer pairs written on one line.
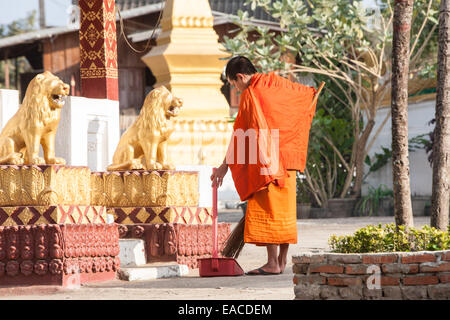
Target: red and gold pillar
[[98, 49]]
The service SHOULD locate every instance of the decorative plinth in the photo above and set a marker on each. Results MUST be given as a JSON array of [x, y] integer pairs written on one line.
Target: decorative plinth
[[34, 215], [143, 188], [57, 254], [155, 215], [44, 185], [182, 243]]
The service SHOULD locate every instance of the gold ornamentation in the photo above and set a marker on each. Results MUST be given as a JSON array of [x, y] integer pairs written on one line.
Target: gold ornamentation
[[92, 35], [35, 123], [25, 216], [94, 72], [44, 185], [91, 15], [144, 188], [144, 144], [193, 22]]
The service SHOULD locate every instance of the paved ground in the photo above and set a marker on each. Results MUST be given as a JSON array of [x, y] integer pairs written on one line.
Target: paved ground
[[313, 235]]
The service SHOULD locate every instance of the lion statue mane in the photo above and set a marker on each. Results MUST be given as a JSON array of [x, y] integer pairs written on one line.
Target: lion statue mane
[[143, 146], [35, 123]]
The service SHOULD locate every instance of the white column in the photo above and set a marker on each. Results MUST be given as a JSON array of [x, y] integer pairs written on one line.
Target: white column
[[88, 132], [9, 104]]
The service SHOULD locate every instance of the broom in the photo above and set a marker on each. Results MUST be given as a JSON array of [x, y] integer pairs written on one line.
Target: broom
[[235, 241]]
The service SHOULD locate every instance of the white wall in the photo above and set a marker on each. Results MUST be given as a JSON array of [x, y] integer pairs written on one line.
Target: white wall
[[88, 132], [9, 103], [419, 115]]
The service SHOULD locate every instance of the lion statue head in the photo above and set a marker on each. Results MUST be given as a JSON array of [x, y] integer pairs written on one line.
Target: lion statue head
[[159, 106], [45, 94]]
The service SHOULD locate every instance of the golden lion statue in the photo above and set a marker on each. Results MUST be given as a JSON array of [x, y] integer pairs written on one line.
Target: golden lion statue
[[144, 144], [35, 123]]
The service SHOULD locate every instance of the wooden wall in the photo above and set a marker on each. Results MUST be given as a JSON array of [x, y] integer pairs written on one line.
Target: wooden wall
[[62, 57]]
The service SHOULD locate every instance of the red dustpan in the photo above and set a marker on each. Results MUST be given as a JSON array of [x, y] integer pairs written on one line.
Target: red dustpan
[[215, 266]]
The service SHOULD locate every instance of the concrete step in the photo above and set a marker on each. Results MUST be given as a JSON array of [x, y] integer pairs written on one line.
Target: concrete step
[[132, 252], [150, 272]]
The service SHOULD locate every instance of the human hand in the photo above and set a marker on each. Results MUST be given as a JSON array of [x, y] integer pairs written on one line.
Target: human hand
[[218, 174]]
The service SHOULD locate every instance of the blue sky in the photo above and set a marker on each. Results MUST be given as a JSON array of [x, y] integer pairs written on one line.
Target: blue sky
[[55, 10]]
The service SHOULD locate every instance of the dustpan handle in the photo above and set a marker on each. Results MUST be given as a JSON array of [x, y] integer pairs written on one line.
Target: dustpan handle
[[214, 219]]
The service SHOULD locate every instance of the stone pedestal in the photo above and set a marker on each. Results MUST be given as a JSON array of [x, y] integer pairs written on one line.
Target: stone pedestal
[[57, 254], [132, 253], [47, 194], [44, 185], [49, 232], [143, 188], [161, 208], [178, 242], [88, 132]]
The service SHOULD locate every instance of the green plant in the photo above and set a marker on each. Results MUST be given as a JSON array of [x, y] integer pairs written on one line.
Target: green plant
[[391, 238], [369, 204], [351, 47], [379, 161]]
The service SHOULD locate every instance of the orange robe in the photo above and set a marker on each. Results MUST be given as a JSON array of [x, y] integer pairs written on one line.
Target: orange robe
[[276, 115]]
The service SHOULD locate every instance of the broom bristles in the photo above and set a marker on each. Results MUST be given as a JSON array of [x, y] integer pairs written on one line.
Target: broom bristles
[[235, 241]]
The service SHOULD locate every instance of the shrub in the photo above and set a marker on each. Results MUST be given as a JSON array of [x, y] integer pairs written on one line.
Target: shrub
[[391, 238], [369, 204]]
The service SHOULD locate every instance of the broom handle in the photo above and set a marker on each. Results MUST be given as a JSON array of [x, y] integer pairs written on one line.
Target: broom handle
[[214, 219]]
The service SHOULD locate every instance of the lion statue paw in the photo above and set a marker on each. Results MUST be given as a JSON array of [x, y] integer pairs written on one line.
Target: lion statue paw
[[168, 166], [136, 164], [56, 160], [37, 161], [154, 166], [16, 158]]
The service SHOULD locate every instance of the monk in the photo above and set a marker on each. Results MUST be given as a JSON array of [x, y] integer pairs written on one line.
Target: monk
[[269, 144]]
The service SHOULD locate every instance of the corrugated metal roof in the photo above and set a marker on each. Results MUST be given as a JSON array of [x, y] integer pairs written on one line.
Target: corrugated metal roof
[[222, 9], [223, 6]]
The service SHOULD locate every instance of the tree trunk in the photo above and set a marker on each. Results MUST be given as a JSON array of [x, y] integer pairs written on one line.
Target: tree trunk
[[441, 145], [399, 104]]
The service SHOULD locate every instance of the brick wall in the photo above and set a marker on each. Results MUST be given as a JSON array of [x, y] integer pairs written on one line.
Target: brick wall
[[387, 276]]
